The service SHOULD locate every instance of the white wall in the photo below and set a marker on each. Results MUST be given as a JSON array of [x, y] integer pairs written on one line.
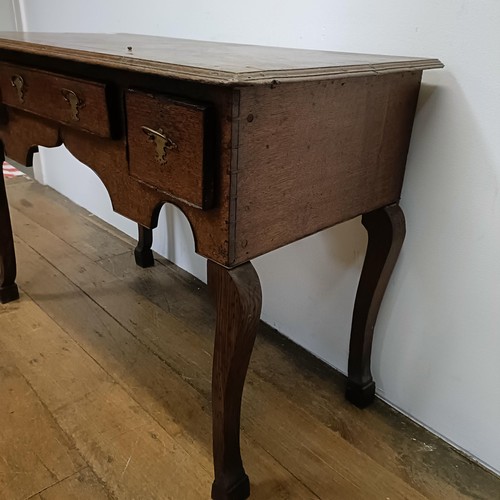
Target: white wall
[[7, 16], [437, 346]]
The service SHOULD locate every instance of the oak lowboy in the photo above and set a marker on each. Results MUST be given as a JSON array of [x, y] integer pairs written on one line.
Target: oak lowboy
[[258, 147]]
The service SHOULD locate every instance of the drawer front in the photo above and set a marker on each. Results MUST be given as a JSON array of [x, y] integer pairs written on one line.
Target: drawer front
[[78, 103], [170, 146]]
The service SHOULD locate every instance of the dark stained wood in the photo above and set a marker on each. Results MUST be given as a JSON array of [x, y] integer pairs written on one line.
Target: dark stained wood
[[8, 287], [143, 253], [289, 159], [46, 94], [258, 147], [207, 62], [314, 154], [142, 203], [166, 143], [23, 133], [386, 233], [134, 199], [238, 299]]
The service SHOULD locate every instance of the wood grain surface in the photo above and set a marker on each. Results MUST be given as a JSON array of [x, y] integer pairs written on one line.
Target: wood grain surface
[[187, 170], [211, 62], [289, 159], [22, 132], [44, 94], [238, 299], [268, 164], [311, 155]]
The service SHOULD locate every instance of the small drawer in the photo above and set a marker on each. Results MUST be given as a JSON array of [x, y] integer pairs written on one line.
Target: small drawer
[[170, 146], [78, 103]]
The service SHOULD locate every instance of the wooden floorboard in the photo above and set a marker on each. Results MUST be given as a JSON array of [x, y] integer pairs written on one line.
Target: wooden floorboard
[[118, 360], [39, 454], [83, 485]]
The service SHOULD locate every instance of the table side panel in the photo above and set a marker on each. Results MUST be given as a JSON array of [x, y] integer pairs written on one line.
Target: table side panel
[[314, 154]]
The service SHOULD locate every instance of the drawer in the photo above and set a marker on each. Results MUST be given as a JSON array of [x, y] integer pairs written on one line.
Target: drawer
[[78, 103], [170, 146]]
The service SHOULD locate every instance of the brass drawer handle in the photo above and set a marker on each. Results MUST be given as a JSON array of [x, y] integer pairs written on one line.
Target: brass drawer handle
[[17, 81], [162, 143], [75, 102]]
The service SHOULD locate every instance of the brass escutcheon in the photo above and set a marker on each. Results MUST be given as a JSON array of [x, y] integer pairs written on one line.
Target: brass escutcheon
[[17, 81], [162, 143], [76, 104]]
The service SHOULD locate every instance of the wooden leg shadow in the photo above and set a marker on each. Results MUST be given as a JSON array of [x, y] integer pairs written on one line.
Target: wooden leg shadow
[[8, 287], [238, 300], [143, 253], [386, 232]]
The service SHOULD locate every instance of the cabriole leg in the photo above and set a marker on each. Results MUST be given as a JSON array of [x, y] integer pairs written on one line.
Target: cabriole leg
[[143, 253], [238, 300], [386, 232], [8, 287]]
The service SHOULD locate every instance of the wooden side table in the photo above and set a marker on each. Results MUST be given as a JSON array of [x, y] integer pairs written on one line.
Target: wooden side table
[[257, 146]]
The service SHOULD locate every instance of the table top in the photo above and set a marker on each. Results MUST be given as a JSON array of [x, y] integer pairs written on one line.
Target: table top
[[209, 62]]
